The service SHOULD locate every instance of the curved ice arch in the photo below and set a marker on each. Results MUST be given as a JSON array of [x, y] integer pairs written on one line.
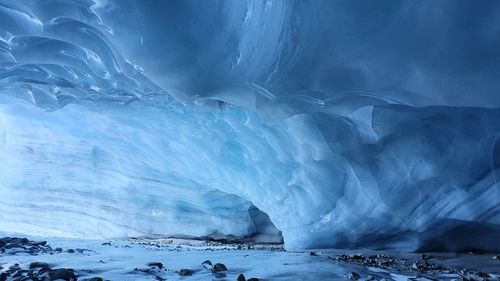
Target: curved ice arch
[[116, 155]]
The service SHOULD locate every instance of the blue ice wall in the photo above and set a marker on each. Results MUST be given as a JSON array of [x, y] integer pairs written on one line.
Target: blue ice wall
[[349, 123]]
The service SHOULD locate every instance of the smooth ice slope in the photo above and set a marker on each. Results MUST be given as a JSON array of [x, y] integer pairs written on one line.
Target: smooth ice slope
[[272, 113]]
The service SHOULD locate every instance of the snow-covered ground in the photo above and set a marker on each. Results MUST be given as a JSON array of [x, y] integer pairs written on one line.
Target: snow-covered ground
[[128, 259]]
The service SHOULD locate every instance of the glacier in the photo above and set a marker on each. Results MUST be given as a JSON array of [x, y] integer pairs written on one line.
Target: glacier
[[322, 123]]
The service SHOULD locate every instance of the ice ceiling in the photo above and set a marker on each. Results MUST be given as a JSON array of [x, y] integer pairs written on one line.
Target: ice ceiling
[[349, 123]]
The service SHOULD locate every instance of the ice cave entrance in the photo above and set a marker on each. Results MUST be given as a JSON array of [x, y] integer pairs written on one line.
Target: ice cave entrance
[[265, 231]]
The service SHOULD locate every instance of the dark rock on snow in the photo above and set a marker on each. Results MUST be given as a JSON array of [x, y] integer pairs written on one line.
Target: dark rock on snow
[[185, 272], [66, 274], [207, 264], [38, 265], [156, 264], [218, 267], [92, 279]]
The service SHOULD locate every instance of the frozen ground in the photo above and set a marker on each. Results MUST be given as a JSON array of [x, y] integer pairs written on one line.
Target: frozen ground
[[128, 259]]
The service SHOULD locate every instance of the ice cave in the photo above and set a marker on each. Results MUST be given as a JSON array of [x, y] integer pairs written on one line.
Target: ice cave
[[272, 139]]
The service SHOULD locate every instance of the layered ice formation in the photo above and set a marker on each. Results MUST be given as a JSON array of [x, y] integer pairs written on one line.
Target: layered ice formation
[[327, 123]]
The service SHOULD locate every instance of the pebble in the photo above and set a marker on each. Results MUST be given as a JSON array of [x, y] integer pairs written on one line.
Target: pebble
[[92, 279], [155, 264], [218, 267], [185, 272]]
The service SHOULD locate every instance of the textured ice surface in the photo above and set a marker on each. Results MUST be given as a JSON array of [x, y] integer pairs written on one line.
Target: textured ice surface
[[309, 111]]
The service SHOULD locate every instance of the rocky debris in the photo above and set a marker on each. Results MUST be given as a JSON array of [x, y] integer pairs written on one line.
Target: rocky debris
[[353, 276], [397, 264], [15, 245], [497, 257], [218, 267], [313, 254], [422, 267], [40, 271], [186, 272], [253, 279], [469, 275], [175, 244], [155, 264]]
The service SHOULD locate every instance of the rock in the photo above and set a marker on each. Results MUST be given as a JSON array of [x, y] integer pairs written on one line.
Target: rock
[[241, 277], [155, 264], [482, 275], [312, 254], [39, 243], [151, 270], [38, 265], [14, 267], [253, 279], [62, 273], [353, 276], [70, 251], [13, 245], [92, 279], [81, 251], [419, 266], [207, 264], [426, 257], [218, 267], [185, 272], [159, 278], [497, 257], [106, 244], [58, 249]]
